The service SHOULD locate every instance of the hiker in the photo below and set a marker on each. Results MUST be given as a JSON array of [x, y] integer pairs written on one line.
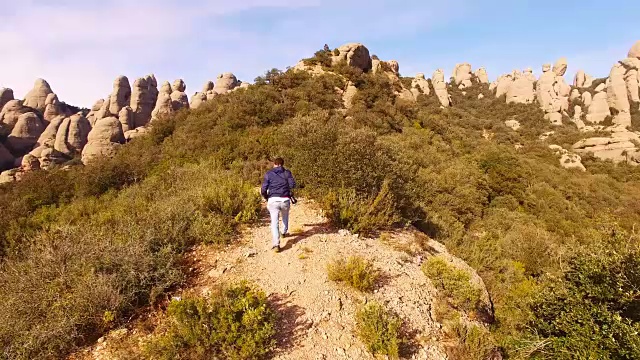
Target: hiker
[[277, 190]]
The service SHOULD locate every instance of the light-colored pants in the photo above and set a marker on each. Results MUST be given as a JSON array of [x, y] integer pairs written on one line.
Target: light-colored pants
[[275, 209]]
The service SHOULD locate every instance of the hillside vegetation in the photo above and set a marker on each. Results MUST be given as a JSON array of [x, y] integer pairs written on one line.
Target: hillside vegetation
[[83, 250]]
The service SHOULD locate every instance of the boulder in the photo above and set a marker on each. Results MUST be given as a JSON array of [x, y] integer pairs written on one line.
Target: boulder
[[165, 89], [103, 140], [349, 93], [617, 96], [560, 67], [48, 136], [29, 163], [575, 94], [50, 157], [462, 75], [208, 86], [11, 112], [36, 98], [135, 133], [440, 87], [394, 66], [588, 81], [179, 86], [513, 124], [586, 98], [125, 116], [354, 54], [225, 82], [420, 85], [25, 133], [163, 107], [521, 90], [634, 52], [528, 74], [568, 160], [503, 84], [143, 98], [616, 148], [579, 79], [179, 100], [197, 100], [121, 95], [92, 116], [52, 108], [481, 75], [598, 108], [6, 95], [104, 111]]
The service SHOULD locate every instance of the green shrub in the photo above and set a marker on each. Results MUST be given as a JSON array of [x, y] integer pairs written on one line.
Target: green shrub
[[356, 272], [469, 342], [455, 284], [236, 323], [380, 330], [593, 311]]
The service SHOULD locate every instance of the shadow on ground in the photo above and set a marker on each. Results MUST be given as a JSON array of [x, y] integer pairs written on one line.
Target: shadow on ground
[[292, 326]]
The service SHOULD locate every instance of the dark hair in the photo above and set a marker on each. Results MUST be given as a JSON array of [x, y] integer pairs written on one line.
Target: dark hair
[[279, 161]]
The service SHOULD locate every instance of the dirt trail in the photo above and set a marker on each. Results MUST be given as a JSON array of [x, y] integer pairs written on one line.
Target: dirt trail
[[316, 313]]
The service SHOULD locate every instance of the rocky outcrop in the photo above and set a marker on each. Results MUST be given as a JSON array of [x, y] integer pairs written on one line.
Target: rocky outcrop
[[349, 93], [25, 133], [598, 108], [354, 54], [72, 135], [420, 85], [163, 106], [6, 95], [103, 140], [92, 116], [634, 52], [143, 99], [121, 95], [617, 96], [462, 75], [619, 147], [179, 98], [10, 114], [552, 92], [37, 97], [482, 76], [521, 90], [6, 158], [568, 160], [513, 124], [440, 87], [225, 82], [197, 100], [582, 80]]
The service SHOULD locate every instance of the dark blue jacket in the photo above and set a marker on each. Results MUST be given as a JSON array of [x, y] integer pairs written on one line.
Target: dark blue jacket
[[278, 182]]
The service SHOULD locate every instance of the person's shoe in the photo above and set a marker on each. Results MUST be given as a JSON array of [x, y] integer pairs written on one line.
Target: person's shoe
[[276, 249], [284, 235]]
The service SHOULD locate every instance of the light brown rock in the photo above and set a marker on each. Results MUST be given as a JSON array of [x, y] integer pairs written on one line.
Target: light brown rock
[[29, 163], [579, 79], [560, 67], [49, 157], [121, 95], [521, 90], [354, 54], [420, 85], [11, 112], [394, 66], [48, 136], [440, 87], [93, 113], [126, 118], [349, 93], [634, 52], [197, 100], [482, 76], [164, 107], [586, 98], [503, 84], [6, 95], [575, 94], [631, 79], [462, 75], [25, 133], [617, 96], [225, 82], [166, 88], [513, 124], [179, 86], [143, 98], [104, 111], [37, 97], [208, 86], [61, 138], [179, 100], [103, 140], [78, 135], [598, 108]]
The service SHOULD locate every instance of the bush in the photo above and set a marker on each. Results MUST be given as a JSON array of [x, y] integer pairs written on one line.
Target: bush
[[236, 324], [380, 330], [455, 284], [470, 342], [594, 310], [356, 272]]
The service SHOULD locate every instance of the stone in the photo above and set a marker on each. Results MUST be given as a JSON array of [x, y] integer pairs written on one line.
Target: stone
[[92, 116], [29, 163], [528, 74], [179, 100], [197, 99], [179, 86], [420, 85], [617, 96], [579, 79], [577, 117], [126, 118], [143, 99], [49, 157], [166, 88], [136, 133], [634, 52], [462, 75], [103, 140], [25, 133], [121, 95], [560, 67], [572, 161], [48, 136], [631, 79], [616, 148], [513, 124], [503, 84], [598, 109], [440, 87], [349, 93], [163, 107], [394, 66], [586, 98], [588, 81], [555, 118], [36, 98], [104, 111], [482, 76], [225, 82], [521, 90], [11, 112], [480, 96], [6, 95], [208, 86], [61, 138], [78, 135], [6, 158], [575, 94], [354, 54], [9, 176]]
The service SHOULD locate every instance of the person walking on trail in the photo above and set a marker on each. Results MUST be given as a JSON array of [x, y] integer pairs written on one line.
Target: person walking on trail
[[277, 189]]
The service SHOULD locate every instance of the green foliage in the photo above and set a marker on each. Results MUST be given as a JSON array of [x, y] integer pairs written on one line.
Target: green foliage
[[321, 57], [236, 324], [380, 330], [455, 284], [593, 310], [470, 342], [356, 272]]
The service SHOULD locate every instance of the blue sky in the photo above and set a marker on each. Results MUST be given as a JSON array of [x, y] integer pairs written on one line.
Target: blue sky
[[80, 46]]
